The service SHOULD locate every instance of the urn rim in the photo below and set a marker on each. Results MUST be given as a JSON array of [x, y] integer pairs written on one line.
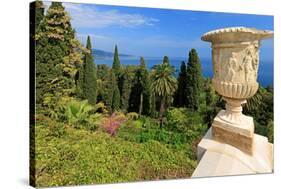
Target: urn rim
[[236, 34]]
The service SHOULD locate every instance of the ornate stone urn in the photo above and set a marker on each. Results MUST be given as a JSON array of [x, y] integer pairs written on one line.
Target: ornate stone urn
[[235, 59]]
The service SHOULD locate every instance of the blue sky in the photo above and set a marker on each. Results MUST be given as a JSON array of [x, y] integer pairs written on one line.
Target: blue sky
[[157, 32]]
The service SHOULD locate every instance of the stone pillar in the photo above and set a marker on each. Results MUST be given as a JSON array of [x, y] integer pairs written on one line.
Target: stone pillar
[[235, 54]]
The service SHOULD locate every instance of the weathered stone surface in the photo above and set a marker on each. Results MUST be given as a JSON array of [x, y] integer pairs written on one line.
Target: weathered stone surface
[[221, 159], [235, 139], [245, 127], [238, 135]]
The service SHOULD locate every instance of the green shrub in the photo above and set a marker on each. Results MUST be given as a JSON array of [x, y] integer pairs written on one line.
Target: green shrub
[[177, 119], [129, 132], [184, 121], [57, 129], [146, 135], [139, 130], [83, 157], [142, 135], [149, 123]]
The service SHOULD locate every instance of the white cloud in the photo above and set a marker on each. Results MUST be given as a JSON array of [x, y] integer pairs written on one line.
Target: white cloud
[[91, 17]]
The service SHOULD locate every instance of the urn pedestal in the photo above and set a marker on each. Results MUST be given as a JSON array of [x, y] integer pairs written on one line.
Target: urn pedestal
[[235, 59]]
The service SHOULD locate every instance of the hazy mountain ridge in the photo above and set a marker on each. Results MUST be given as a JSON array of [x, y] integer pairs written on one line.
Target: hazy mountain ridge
[[98, 53]]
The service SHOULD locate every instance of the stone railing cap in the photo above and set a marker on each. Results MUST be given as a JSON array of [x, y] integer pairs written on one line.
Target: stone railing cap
[[236, 34]]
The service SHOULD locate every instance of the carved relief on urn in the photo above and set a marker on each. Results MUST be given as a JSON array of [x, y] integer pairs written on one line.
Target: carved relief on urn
[[235, 56]]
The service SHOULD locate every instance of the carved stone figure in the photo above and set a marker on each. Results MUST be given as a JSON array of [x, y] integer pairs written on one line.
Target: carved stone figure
[[248, 67], [230, 67]]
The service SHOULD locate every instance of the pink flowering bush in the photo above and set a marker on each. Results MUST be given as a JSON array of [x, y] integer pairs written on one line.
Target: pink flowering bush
[[112, 123]]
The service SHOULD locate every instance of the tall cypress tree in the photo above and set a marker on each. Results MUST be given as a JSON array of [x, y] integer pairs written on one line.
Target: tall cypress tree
[[103, 76], [58, 53], [144, 106], [181, 95], [109, 89], [116, 67], [142, 73], [194, 80], [116, 99], [126, 81], [166, 59], [142, 63], [116, 62], [211, 101], [111, 93], [89, 75], [140, 94]]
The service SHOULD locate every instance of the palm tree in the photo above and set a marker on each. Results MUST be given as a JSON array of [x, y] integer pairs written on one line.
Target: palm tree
[[164, 84]]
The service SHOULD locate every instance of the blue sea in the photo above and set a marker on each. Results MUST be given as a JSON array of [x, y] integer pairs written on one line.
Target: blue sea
[[265, 75]]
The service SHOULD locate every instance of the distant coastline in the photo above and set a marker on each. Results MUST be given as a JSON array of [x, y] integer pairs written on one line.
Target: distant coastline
[[101, 54]]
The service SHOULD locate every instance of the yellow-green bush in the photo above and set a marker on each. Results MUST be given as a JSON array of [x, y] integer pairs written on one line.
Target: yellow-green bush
[[83, 157]]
